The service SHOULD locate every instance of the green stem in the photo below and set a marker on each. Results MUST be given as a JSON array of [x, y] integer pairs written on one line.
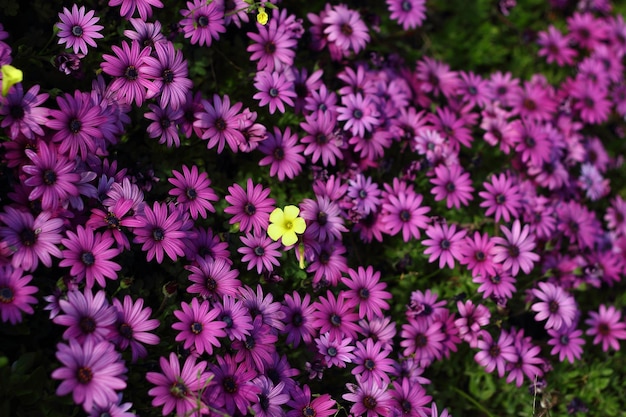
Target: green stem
[[473, 401]]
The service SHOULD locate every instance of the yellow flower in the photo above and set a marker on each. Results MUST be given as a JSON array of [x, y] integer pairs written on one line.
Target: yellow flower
[[10, 77], [262, 16], [286, 224]]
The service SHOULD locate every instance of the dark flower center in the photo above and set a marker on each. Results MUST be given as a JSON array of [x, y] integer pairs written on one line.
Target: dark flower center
[[331, 351], [179, 390], [279, 154], [249, 209], [494, 351], [165, 123], [450, 187], [158, 234], [229, 384], [131, 73], [6, 295], [259, 251], [270, 48], [324, 257], [196, 328], [357, 113], [321, 139], [203, 21], [445, 244], [87, 324], [17, 112], [530, 141], [604, 329], [249, 343], [220, 124], [514, 251], [421, 340], [405, 216], [308, 411], [84, 374], [346, 29], [554, 306], [112, 220], [273, 92], [77, 31], [335, 320], [228, 320], [500, 199], [125, 330], [472, 90], [364, 293], [75, 125], [406, 406], [362, 194], [297, 320], [28, 237], [211, 284], [264, 402], [406, 6], [191, 193], [49, 177], [564, 339], [322, 218], [369, 402], [529, 104], [496, 279], [168, 76], [369, 364], [480, 255], [88, 258]]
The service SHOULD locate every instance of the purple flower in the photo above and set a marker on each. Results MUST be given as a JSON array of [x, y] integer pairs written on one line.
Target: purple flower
[[236, 317], [514, 249], [15, 294], [212, 278], [502, 197], [146, 33], [89, 255], [410, 398], [179, 389], [192, 190], [274, 89], [298, 324], [423, 340], [365, 287], [495, 355], [567, 343], [477, 253], [271, 398], [255, 350], [303, 404], [219, 123], [132, 327], [164, 124], [556, 47], [260, 252], [22, 114], [370, 398], [405, 212], [198, 326], [408, 13], [555, 304], [30, 239], [283, 154], [445, 243], [336, 316], [500, 284], [78, 29], [359, 114], [250, 208], [372, 362], [232, 388], [203, 22], [453, 185], [169, 71], [365, 195], [129, 7], [472, 318], [320, 141], [606, 327], [273, 47], [527, 362], [345, 28], [87, 316], [92, 371], [336, 351]]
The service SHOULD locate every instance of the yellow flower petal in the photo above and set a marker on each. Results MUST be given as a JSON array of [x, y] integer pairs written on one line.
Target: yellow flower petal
[[291, 212], [289, 238], [299, 225], [262, 16], [277, 215], [274, 231], [10, 77]]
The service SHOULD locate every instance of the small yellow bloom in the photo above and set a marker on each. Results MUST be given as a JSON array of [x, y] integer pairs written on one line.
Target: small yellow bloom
[[10, 77], [262, 16], [285, 225]]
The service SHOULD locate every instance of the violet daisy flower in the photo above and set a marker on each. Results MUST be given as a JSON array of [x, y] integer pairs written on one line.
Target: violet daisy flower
[[179, 389], [606, 327], [52, 177], [372, 362], [514, 250], [21, 112], [263, 305], [555, 47], [161, 230], [527, 364], [298, 324], [365, 194], [502, 197], [496, 354], [213, 279], [366, 288], [129, 68], [78, 29], [232, 387], [472, 318], [146, 33], [359, 114], [31, 240], [274, 89], [555, 304], [203, 22], [113, 219], [219, 123], [336, 351], [423, 340], [128, 7], [89, 255], [320, 140], [379, 329], [92, 371], [501, 284], [273, 47], [132, 327], [336, 316], [236, 317], [567, 343], [206, 245], [260, 252], [198, 326], [192, 190], [410, 398], [255, 350], [345, 28], [87, 316], [283, 154], [452, 184], [404, 212], [424, 307], [408, 13], [78, 124], [370, 398], [169, 71], [250, 208], [304, 405], [477, 253], [15, 294], [271, 398], [436, 77], [164, 124], [328, 263], [445, 243], [324, 220]]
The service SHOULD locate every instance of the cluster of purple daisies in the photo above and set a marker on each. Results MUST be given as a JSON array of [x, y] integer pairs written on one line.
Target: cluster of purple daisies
[[532, 218]]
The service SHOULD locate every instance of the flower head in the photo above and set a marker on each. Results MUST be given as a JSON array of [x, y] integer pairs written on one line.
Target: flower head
[[285, 224], [10, 77]]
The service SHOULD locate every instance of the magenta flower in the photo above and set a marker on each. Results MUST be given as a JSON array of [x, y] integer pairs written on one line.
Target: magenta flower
[[410, 398], [298, 324], [164, 124], [345, 28], [212, 278], [169, 71], [15, 294], [370, 398], [219, 123], [232, 388], [192, 190], [255, 350], [21, 112], [555, 305], [283, 154], [567, 343], [606, 327], [250, 208], [161, 229], [179, 389], [555, 47], [514, 250], [336, 316], [365, 195], [453, 185], [87, 316], [472, 318], [495, 355], [501, 284], [372, 362], [365, 286], [132, 327], [260, 252], [236, 317], [502, 197], [92, 371], [477, 253], [78, 29], [274, 89], [203, 22], [423, 340], [528, 363], [359, 114], [445, 243], [30, 240], [129, 7], [89, 255], [320, 140], [198, 326], [303, 404], [273, 47], [405, 212], [408, 13]]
